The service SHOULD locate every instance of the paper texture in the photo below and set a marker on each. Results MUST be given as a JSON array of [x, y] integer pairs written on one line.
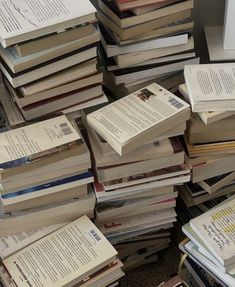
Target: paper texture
[[12, 243], [35, 138], [217, 228], [211, 82], [22, 16], [70, 253], [136, 113]]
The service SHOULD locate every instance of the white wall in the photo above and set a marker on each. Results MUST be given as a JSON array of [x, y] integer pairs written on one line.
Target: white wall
[[206, 13]]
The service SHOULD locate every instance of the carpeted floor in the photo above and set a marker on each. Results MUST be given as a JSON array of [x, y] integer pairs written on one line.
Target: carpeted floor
[[153, 274]]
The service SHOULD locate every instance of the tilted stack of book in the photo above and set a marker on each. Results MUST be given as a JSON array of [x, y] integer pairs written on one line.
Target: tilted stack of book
[[48, 56], [211, 243], [44, 176], [210, 136], [137, 160], [144, 42], [76, 254]]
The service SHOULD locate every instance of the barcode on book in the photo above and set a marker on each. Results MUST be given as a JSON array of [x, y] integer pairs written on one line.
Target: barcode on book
[[66, 129], [175, 103], [95, 235]]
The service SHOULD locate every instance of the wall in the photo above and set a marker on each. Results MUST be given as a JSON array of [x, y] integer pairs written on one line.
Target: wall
[[206, 13]]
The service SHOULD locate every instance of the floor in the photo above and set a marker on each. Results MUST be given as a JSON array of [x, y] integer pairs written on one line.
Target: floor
[[153, 274]]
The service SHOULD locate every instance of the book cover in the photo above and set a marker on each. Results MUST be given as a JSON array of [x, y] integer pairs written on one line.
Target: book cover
[[63, 258], [217, 228]]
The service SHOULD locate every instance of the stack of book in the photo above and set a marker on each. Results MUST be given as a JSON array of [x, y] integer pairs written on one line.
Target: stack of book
[[44, 177], [144, 42], [137, 161], [210, 136], [48, 56], [210, 244], [76, 254]]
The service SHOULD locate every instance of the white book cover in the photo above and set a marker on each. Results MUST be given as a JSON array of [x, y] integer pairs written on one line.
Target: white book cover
[[63, 258], [217, 229], [120, 122], [24, 16], [210, 82], [32, 139], [10, 244]]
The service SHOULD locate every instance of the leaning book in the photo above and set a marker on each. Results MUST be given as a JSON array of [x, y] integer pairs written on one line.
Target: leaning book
[[66, 257], [217, 229], [139, 118]]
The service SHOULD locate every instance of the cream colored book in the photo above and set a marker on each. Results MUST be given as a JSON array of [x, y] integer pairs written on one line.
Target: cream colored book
[[63, 258], [138, 118], [12, 243], [210, 116], [217, 229], [26, 20]]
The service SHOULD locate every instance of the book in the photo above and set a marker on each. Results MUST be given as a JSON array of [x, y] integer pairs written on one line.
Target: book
[[213, 184], [54, 39], [10, 244], [34, 143], [27, 20], [208, 117], [82, 236], [203, 249], [148, 8], [148, 100], [130, 4], [208, 89], [112, 49], [127, 18], [67, 90], [18, 63], [141, 29], [63, 101], [52, 192], [132, 74], [215, 227], [48, 68], [59, 79], [56, 213]]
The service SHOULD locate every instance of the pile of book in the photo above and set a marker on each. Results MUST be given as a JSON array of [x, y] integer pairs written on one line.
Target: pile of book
[[48, 56], [44, 176], [137, 161], [210, 246], [144, 42], [77, 254], [210, 136]]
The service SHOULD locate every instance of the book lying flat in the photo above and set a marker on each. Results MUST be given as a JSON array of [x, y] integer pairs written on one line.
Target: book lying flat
[[139, 117], [27, 20], [211, 87], [34, 143], [63, 258], [128, 18], [208, 117]]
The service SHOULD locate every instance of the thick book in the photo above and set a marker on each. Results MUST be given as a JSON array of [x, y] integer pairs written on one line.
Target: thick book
[[216, 228], [28, 20], [35, 143], [18, 63], [208, 117], [63, 258], [211, 87], [128, 18], [136, 119]]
